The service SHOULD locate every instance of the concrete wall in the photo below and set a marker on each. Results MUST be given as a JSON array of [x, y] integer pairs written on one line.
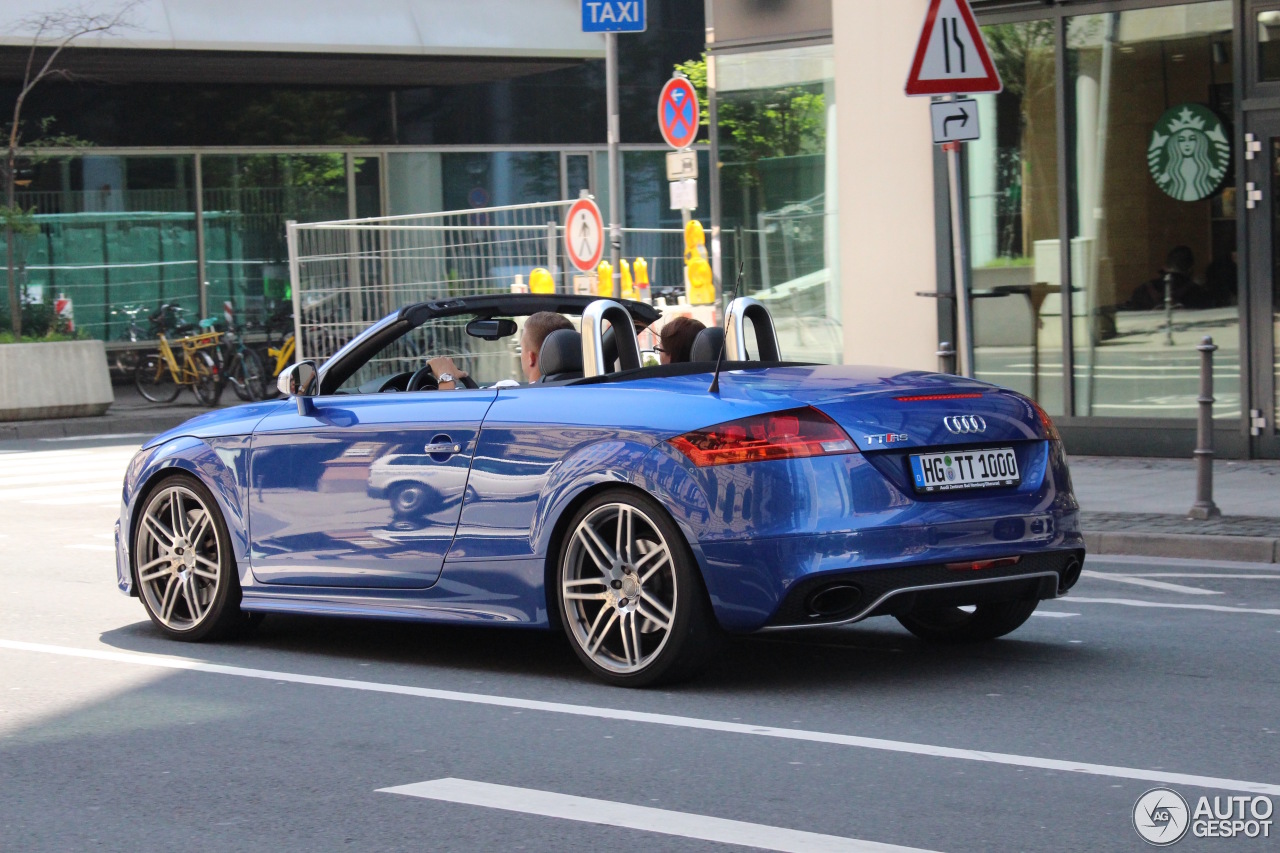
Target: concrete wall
[[57, 380], [887, 249]]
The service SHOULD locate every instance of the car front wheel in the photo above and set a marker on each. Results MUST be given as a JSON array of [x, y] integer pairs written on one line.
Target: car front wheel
[[182, 563], [630, 596]]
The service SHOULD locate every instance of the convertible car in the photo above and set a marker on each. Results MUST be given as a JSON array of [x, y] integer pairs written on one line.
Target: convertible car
[[644, 510]]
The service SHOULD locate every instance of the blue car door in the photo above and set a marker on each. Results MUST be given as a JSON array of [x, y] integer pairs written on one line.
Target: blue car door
[[363, 490]]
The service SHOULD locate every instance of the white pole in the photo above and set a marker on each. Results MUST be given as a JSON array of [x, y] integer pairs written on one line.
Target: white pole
[[611, 98]]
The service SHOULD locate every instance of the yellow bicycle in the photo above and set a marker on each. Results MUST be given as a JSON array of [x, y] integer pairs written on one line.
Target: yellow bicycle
[[161, 375], [277, 359]]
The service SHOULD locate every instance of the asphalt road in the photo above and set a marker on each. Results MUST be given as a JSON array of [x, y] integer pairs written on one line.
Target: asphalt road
[[111, 738]]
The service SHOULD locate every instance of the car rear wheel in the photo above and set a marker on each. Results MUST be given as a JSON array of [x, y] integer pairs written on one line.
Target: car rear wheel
[[630, 596], [182, 563], [964, 625]]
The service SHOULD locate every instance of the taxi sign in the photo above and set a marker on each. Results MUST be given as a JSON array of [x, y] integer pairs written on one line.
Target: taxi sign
[[584, 235], [678, 112], [951, 57], [613, 16]]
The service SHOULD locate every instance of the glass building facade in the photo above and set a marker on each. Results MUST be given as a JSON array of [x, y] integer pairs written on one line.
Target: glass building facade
[[1120, 211], [178, 191]]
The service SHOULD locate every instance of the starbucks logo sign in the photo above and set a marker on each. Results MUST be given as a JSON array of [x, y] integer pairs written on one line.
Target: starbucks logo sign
[[1189, 152]]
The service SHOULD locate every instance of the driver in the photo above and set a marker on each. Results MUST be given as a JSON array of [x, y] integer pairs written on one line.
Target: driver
[[536, 329]]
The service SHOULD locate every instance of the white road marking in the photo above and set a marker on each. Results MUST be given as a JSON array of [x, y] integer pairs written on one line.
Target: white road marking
[[1109, 560], [1150, 584], [100, 437], [93, 547], [80, 477], [1216, 608], [624, 715], [1054, 614], [643, 818], [1208, 576]]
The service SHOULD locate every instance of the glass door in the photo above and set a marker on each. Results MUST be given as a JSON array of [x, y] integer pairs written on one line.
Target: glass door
[[1261, 201]]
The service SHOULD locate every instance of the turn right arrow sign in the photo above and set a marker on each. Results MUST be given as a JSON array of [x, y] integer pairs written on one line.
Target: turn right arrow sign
[[955, 121]]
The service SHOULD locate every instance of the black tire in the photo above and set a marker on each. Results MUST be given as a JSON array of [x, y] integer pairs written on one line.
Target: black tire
[[953, 625], [246, 376], [221, 616], [664, 579], [154, 381], [208, 385]]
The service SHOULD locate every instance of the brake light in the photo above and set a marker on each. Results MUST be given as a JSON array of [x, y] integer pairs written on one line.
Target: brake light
[[924, 398], [1054, 435], [793, 434]]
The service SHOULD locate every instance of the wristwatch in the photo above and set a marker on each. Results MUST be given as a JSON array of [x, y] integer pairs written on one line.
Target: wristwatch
[[445, 377]]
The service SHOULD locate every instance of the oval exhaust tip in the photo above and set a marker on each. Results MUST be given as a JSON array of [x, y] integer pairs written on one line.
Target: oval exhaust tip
[[1070, 574], [834, 600]]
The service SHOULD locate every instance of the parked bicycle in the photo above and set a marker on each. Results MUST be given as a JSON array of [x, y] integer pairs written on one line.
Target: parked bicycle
[[166, 319], [160, 376], [242, 367]]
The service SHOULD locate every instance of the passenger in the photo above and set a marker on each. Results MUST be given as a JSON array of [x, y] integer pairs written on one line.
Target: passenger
[[677, 339], [536, 329]]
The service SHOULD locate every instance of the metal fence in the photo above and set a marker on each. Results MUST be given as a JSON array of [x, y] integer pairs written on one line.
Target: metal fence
[[347, 274]]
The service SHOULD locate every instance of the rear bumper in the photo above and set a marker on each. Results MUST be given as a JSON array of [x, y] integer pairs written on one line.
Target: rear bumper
[[853, 596], [769, 583]]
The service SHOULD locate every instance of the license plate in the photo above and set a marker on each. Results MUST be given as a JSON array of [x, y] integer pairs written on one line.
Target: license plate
[[964, 469]]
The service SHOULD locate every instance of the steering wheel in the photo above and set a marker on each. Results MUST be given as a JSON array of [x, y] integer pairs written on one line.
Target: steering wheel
[[425, 380]]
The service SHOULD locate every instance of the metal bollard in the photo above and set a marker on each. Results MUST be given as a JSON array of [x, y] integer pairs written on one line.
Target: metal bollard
[[1168, 309], [946, 357], [1204, 507]]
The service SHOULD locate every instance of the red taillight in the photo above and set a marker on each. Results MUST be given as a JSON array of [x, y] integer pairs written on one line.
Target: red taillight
[[792, 434], [1048, 422]]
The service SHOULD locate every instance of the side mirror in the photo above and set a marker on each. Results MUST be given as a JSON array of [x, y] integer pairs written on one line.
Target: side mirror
[[491, 329], [299, 381]]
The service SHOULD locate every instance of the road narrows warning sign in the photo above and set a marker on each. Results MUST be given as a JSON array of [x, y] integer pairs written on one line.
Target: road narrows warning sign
[[584, 235], [952, 58]]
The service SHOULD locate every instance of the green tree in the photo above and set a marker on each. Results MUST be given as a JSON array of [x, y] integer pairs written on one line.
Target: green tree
[[51, 34], [781, 122]]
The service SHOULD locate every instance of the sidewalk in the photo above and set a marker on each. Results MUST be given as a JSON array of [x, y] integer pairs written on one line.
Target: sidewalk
[[1128, 506], [1139, 506], [131, 414]]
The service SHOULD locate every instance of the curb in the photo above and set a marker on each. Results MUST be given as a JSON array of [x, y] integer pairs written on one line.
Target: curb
[[1243, 549], [94, 426]]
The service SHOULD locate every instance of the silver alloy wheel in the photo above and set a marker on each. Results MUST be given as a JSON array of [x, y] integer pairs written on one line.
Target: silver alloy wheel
[[179, 558], [618, 588]]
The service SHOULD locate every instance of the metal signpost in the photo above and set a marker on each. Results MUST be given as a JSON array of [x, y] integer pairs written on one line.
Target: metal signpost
[[612, 17], [952, 59], [678, 114]]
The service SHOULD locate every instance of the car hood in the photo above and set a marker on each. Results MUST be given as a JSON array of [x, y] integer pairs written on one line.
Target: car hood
[[235, 420]]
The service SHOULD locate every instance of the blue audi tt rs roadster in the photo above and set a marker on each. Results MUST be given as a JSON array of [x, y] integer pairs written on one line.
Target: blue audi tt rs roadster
[[643, 509]]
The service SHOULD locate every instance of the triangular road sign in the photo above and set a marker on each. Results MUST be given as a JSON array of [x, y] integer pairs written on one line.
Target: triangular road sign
[[952, 58]]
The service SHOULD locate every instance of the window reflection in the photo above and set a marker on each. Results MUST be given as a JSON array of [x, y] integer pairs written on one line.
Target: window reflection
[[776, 132], [1013, 206], [1153, 252]]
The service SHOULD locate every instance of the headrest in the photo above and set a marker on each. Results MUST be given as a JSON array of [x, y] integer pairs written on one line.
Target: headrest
[[707, 345], [561, 353]]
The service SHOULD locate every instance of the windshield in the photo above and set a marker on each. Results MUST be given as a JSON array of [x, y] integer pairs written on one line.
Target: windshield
[[487, 362]]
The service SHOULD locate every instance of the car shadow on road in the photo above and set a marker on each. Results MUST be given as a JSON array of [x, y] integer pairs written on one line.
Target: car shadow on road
[[868, 655]]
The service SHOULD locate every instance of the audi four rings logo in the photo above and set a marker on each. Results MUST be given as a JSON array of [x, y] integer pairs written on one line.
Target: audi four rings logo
[[964, 424]]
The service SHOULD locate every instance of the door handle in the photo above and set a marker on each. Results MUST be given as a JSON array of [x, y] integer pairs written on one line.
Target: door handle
[[442, 444]]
